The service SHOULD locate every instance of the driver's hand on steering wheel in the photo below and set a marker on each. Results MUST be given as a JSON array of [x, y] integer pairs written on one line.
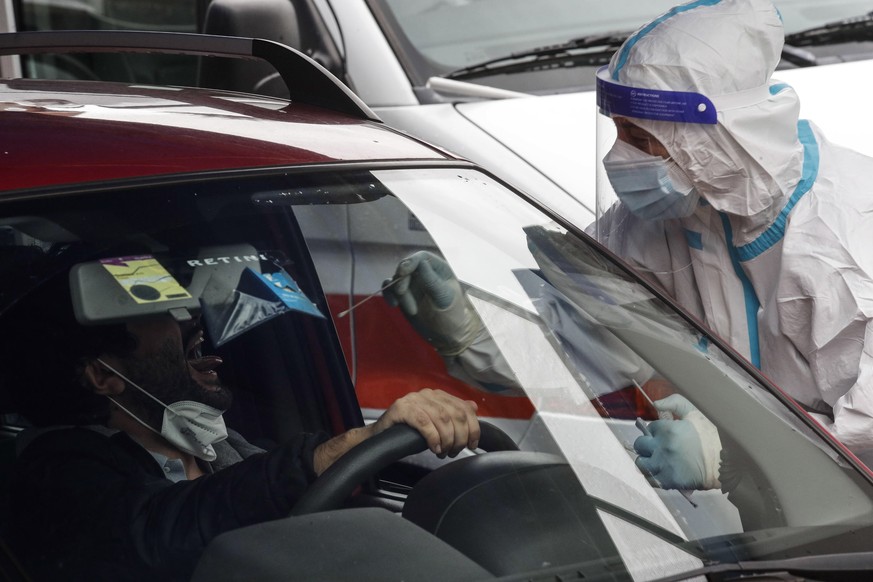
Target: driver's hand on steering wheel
[[447, 423]]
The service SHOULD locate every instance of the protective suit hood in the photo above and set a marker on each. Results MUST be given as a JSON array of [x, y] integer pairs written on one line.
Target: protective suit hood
[[749, 162]]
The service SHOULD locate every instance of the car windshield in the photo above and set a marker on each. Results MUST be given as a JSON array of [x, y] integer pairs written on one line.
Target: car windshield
[[441, 37], [582, 347]]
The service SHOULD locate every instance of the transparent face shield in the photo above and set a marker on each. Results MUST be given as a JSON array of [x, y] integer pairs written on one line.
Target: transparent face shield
[[635, 176]]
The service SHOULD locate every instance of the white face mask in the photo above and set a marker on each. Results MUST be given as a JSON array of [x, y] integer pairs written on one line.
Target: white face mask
[[192, 427], [650, 186]]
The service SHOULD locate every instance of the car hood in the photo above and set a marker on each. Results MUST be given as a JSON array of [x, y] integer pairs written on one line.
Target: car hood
[[554, 133]]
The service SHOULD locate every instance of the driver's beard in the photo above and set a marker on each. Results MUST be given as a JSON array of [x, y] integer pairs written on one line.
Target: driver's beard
[[166, 376]]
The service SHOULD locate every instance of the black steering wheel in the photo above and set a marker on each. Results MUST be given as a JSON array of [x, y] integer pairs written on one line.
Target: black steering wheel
[[374, 454]]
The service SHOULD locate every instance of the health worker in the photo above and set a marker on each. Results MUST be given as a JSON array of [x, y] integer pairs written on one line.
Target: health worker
[[743, 213]]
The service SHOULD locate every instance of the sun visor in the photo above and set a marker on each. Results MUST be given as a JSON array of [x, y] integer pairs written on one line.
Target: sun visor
[[225, 286], [117, 289]]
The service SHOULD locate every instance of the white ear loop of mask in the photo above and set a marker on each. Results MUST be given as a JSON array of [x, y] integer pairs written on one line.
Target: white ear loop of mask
[[132, 383], [192, 427]]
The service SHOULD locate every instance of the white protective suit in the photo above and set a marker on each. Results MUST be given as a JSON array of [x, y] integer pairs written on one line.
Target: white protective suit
[[778, 256]]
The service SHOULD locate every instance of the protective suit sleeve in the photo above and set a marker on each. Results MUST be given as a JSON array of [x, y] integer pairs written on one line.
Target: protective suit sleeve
[[825, 307], [853, 412]]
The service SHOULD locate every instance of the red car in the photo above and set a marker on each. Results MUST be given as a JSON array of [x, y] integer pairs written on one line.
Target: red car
[[277, 223]]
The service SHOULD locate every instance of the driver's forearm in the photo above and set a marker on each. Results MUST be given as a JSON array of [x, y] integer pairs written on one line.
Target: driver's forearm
[[328, 452]]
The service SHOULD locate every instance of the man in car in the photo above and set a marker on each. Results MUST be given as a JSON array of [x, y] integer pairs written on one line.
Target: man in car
[[754, 223], [130, 470]]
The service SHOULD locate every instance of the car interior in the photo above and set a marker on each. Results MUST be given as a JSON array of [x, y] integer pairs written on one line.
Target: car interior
[[331, 237], [289, 373], [288, 370]]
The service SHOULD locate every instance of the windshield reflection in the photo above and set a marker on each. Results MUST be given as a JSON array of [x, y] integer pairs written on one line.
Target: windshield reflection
[[573, 354], [575, 328]]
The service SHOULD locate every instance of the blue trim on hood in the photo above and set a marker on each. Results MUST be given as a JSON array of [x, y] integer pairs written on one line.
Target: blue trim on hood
[[810, 172], [776, 87], [630, 42]]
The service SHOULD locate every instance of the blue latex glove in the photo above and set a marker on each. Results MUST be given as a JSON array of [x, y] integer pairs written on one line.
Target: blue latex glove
[[683, 453], [431, 298]]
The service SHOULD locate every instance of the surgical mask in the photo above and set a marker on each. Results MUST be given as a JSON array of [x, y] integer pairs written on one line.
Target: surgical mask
[[651, 187], [192, 427]]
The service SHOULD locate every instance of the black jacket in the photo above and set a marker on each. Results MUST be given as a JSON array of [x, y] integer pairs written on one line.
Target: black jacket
[[86, 506]]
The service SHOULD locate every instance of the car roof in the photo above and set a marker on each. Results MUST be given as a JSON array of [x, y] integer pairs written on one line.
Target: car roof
[[68, 132]]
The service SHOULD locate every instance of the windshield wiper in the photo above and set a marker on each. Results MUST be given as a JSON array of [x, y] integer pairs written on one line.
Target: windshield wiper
[[855, 29], [578, 51], [837, 566]]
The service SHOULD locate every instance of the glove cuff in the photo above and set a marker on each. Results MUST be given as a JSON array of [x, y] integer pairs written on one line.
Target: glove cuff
[[472, 328], [710, 445]]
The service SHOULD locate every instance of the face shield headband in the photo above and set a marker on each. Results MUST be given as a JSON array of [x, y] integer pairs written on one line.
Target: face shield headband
[[617, 100]]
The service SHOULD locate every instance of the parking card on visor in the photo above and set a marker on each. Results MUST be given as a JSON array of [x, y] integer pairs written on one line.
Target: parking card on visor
[[257, 298], [145, 279]]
